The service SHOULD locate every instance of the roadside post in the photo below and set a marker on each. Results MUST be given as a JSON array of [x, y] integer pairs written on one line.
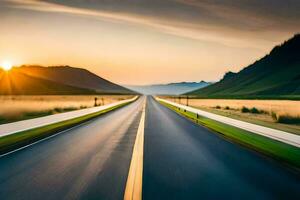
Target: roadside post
[[95, 104], [187, 100]]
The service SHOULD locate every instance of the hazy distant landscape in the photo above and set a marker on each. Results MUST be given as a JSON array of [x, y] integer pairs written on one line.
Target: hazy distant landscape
[[170, 88]]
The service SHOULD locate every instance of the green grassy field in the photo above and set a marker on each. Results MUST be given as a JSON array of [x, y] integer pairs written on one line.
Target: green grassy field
[[284, 153], [17, 140]]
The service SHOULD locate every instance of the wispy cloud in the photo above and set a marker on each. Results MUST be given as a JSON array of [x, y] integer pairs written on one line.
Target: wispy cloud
[[212, 32], [146, 35]]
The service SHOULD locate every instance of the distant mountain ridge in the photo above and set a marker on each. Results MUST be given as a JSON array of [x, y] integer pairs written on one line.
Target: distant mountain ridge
[[170, 88], [276, 74], [38, 80]]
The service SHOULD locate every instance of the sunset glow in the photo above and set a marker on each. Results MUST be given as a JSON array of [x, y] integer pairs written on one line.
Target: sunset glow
[[146, 43], [6, 65], [149, 99]]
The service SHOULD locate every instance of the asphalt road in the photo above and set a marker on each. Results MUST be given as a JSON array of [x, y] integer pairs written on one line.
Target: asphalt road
[[87, 162], [185, 161], [181, 161]]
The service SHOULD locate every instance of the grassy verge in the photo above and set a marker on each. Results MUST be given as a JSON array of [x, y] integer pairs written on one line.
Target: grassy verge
[[291, 128], [17, 140], [36, 114], [285, 153]]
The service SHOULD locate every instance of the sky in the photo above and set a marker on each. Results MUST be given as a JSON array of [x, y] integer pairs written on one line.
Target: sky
[[137, 42]]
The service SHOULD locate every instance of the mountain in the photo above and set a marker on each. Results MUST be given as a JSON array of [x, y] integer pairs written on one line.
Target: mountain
[[17, 83], [276, 74], [169, 89], [76, 77], [36, 80]]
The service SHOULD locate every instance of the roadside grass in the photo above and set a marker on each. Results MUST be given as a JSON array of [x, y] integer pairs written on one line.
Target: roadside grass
[[20, 139], [36, 114], [284, 153], [281, 121], [236, 114]]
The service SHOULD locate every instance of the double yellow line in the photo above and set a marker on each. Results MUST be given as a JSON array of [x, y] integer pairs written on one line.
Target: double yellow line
[[134, 183]]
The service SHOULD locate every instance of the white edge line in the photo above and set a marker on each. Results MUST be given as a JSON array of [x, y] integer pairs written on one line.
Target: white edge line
[[41, 140]]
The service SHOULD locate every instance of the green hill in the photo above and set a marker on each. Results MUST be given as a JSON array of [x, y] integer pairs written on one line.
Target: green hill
[[275, 75]]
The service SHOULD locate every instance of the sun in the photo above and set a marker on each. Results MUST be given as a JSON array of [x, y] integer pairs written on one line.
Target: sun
[[6, 65]]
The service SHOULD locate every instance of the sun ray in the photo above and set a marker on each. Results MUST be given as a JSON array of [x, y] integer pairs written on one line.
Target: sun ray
[[6, 65]]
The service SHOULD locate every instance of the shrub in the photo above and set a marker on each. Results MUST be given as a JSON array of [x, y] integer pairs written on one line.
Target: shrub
[[288, 119], [227, 108], [245, 109], [251, 110], [274, 115], [255, 111], [218, 107]]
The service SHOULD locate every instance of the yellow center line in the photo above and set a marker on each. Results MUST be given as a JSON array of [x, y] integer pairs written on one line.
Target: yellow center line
[[133, 190]]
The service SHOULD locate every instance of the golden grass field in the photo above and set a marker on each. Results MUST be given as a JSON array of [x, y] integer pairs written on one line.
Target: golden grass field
[[280, 107], [233, 108], [14, 107]]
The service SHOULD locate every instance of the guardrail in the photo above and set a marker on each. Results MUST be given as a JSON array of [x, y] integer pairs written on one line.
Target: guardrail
[[15, 127], [278, 135]]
